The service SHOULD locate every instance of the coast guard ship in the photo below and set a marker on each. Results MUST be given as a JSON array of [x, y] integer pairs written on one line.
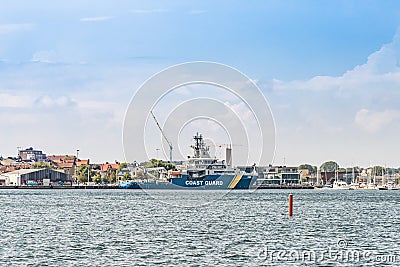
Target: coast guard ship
[[201, 171]]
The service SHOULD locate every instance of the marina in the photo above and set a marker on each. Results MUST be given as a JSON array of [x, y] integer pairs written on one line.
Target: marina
[[33, 169], [61, 187]]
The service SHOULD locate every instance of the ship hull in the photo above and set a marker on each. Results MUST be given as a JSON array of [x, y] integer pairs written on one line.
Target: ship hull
[[208, 182]]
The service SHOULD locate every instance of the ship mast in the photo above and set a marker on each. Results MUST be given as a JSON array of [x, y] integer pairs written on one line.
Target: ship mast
[[165, 137], [198, 145]]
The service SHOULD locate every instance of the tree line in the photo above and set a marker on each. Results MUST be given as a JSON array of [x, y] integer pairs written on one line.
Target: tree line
[[332, 166]]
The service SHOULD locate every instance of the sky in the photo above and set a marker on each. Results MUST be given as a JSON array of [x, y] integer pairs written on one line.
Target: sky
[[330, 71]]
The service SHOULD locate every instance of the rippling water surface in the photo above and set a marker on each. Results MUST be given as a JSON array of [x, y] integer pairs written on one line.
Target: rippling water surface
[[130, 228]]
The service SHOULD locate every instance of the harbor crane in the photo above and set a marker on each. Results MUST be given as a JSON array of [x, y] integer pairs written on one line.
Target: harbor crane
[[165, 137]]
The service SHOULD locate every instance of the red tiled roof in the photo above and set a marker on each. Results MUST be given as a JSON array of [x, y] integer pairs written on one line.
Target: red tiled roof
[[80, 162], [104, 167], [4, 169], [65, 165], [67, 161], [61, 158], [44, 163]]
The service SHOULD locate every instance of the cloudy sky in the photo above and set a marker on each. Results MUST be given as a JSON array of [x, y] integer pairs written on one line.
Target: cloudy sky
[[330, 71]]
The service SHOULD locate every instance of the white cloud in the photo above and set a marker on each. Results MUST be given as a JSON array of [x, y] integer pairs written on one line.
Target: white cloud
[[242, 111], [198, 11], [92, 19], [381, 69], [45, 57], [28, 100], [373, 121], [358, 110], [9, 28], [317, 83], [355, 94], [148, 11], [47, 101], [385, 60], [14, 101]]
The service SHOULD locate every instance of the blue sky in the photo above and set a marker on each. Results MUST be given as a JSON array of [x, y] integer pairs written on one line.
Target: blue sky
[[330, 70]]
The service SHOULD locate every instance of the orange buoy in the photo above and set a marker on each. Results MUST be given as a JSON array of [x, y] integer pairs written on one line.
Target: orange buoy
[[290, 205]]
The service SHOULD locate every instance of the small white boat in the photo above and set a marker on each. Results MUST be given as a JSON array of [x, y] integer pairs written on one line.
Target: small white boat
[[341, 185], [355, 186], [371, 186], [388, 186]]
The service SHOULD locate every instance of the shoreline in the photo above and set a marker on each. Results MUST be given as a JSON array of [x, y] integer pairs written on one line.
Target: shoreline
[[114, 187], [62, 187], [59, 187]]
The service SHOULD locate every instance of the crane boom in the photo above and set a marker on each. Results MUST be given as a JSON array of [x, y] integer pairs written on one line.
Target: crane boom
[[165, 137]]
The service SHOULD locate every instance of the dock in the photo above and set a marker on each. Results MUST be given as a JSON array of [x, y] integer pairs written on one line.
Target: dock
[[61, 187], [276, 186]]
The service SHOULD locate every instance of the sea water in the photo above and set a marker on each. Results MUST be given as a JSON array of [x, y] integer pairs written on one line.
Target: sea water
[[240, 228]]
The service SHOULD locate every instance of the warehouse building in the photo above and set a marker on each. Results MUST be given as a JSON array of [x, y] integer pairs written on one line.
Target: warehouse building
[[36, 177]]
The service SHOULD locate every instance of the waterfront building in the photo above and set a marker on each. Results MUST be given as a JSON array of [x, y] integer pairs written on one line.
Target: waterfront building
[[131, 169], [159, 173], [11, 164], [308, 177], [31, 154], [279, 175], [3, 180], [104, 167], [250, 168], [8, 161], [68, 163], [36, 177]]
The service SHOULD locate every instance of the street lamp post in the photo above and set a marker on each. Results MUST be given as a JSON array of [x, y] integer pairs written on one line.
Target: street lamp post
[[88, 173], [76, 166]]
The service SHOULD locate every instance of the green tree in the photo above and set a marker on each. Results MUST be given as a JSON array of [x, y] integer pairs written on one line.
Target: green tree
[[104, 179], [378, 170], [42, 165], [97, 178], [96, 167], [83, 173], [121, 166], [170, 166], [310, 168], [390, 171], [153, 163], [111, 175], [139, 175], [329, 166], [127, 176], [355, 168]]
